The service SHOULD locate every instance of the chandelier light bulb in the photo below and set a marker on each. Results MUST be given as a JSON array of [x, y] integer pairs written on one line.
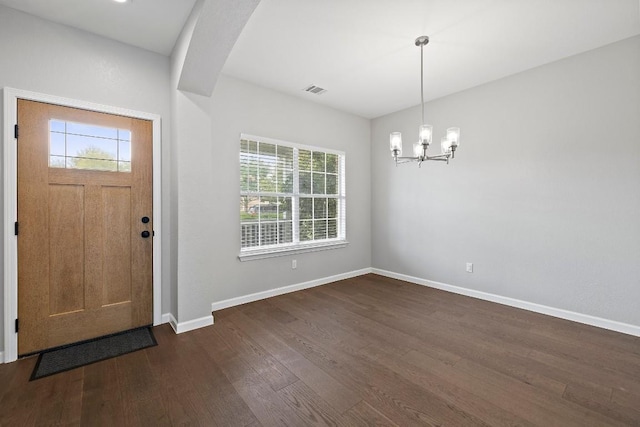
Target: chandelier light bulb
[[425, 132], [417, 149], [395, 143], [445, 145], [453, 135]]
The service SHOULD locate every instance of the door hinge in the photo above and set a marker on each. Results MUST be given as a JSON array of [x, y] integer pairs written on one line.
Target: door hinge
[[15, 131], [17, 326], [16, 228]]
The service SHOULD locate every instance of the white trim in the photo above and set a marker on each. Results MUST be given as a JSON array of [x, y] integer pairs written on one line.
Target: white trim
[[191, 324], [171, 320], [166, 318], [1, 357], [10, 203], [10, 214], [586, 319], [250, 255], [179, 328], [231, 302]]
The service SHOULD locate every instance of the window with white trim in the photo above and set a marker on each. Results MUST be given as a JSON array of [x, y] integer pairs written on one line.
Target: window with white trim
[[292, 197]]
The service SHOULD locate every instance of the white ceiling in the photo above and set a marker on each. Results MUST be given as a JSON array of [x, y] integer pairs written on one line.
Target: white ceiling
[[362, 51], [150, 24]]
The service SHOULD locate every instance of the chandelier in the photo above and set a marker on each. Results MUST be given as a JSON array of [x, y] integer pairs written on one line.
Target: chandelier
[[448, 143]]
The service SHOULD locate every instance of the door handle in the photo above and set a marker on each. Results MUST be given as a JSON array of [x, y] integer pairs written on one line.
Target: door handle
[[145, 234], [145, 219]]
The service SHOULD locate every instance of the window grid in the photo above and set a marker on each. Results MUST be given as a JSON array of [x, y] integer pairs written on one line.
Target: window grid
[[95, 147], [305, 214]]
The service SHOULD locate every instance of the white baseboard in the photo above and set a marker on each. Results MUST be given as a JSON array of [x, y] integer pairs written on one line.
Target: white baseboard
[[166, 318], [193, 324], [1, 356], [285, 289], [586, 319], [190, 325], [599, 322]]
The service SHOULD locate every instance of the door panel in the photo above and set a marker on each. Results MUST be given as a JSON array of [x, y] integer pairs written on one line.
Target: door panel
[[66, 248], [116, 229], [83, 268]]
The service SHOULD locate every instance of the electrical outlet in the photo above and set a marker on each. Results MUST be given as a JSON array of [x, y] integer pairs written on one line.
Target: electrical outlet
[[294, 264], [469, 267]]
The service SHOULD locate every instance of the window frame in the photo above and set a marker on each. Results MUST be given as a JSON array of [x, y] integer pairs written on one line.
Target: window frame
[[297, 246]]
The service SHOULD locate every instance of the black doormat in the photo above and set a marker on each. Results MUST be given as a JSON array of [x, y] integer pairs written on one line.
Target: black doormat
[[86, 352]]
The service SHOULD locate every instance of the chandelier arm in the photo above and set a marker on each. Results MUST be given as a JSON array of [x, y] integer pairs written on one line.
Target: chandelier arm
[[439, 158], [401, 160]]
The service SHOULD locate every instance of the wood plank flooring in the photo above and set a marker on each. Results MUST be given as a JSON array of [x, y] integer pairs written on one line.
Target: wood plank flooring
[[359, 352]]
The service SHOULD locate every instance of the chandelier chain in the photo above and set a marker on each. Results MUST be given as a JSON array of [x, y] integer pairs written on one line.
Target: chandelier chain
[[422, 80]]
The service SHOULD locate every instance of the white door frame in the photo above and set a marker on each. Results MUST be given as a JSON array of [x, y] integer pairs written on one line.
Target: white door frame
[[10, 165]]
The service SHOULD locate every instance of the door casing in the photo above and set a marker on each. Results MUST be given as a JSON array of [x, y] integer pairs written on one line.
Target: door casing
[[10, 261]]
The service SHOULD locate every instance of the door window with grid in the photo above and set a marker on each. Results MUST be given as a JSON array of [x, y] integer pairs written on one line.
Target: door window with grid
[[291, 196]]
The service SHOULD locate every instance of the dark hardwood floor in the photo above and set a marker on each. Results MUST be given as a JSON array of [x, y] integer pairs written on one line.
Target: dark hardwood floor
[[359, 352]]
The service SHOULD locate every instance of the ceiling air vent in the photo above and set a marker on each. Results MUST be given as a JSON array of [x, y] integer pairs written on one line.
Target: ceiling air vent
[[316, 90]]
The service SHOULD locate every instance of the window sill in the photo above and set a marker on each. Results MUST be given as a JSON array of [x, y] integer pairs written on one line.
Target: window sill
[[251, 255]]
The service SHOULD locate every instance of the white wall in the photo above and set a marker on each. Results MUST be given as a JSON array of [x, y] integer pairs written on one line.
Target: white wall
[[208, 176], [196, 209], [543, 196], [179, 115], [41, 56]]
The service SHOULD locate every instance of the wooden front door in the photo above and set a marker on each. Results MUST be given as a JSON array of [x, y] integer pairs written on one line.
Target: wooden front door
[[85, 225]]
